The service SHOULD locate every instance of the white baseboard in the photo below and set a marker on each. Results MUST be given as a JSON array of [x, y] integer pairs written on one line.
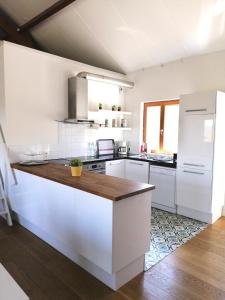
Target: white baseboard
[[195, 214], [201, 216], [163, 207], [114, 281]]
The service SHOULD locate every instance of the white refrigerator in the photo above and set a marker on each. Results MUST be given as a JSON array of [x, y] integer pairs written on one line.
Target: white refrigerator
[[200, 162]]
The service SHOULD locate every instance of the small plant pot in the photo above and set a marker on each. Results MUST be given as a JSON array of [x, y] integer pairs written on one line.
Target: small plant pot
[[76, 171]]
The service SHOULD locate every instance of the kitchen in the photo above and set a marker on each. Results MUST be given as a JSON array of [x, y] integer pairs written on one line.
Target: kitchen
[[38, 124]]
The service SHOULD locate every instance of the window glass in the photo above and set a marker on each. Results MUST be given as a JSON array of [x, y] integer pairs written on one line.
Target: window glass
[[171, 119], [161, 120], [153, 128]]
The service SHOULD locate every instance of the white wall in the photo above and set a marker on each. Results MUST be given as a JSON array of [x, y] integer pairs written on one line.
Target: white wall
[[169, 82], [36, 95]]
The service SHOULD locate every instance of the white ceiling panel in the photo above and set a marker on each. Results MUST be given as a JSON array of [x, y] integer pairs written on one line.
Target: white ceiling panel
[[127, 35], [67, 35]]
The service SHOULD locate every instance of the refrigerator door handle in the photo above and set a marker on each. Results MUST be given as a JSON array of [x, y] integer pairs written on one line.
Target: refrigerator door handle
[[193, 165], [192, 172], [193, 110]]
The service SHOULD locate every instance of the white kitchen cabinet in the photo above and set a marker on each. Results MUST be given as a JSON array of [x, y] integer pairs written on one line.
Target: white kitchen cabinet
[[115, 168], [194, 190], [198, 103], [137, 170], [164, 179], [196, 141], [9, 287]]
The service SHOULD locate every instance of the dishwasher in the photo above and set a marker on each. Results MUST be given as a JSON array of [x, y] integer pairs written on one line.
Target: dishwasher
[[164, 179]]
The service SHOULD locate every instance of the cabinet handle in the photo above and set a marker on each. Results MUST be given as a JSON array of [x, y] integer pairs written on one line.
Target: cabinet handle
[[192, 172], [134, 163], [193, 165], [115, 163], [193, 110]]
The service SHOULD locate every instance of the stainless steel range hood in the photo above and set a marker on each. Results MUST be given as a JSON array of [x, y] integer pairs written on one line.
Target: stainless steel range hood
[[78, 95], [78, 101]]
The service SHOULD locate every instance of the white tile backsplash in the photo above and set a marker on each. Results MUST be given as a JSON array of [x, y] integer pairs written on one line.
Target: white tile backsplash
[[73, 141]]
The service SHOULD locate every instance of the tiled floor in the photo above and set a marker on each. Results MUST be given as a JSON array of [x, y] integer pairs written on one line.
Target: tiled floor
[[168, 232]]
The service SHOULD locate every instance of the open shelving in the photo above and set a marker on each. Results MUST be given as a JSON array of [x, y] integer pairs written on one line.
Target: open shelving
[[112, 112]]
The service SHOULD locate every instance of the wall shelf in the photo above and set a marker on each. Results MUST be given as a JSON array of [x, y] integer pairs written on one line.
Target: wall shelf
[[114, 128], [112, 112], [118, 128]]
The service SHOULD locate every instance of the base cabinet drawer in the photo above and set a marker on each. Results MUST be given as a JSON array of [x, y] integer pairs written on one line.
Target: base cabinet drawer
[[194, 189], [137, 170]]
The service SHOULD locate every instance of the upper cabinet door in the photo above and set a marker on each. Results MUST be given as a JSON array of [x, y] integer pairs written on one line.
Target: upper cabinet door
[[198, 103], [196, 141]]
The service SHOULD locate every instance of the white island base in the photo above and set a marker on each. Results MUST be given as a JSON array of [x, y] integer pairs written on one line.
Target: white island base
[[9, 289], [106, 238]]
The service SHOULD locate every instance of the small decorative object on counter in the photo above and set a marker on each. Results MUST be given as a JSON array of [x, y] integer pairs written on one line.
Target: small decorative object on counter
[[76, 167], [106, 123], [100, 106], [91, 150], [119, 108], [114, 123], [144, 148], [114, 107]]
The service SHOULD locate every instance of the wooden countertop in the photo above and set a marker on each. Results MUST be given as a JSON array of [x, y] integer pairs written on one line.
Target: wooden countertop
[[109, 187]]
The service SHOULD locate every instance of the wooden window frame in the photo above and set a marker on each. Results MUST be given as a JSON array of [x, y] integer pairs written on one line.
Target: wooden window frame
[[162, 105]]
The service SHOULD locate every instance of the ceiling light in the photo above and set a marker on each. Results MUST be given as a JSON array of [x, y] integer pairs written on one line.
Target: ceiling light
[[106, 79]]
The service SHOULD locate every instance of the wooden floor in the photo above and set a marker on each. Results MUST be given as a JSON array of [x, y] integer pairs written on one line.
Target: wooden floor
[[194, 271]]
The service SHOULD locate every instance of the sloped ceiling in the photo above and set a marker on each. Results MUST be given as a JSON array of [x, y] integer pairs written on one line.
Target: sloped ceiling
[[126, 35]]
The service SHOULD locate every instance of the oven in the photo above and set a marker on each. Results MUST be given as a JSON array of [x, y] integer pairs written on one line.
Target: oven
[[97, 167]]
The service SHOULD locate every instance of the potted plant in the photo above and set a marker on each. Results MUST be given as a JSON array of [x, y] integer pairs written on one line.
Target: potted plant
[[76, 167], [114, 107]]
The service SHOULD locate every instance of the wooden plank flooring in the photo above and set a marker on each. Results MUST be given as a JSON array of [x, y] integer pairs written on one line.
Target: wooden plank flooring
[[194, 271]]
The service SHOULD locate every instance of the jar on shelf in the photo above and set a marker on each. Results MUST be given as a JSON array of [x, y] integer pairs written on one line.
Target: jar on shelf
[[114, 123], [123, 123]]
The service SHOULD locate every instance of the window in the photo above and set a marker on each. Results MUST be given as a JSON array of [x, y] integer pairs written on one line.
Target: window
[[161, 125]]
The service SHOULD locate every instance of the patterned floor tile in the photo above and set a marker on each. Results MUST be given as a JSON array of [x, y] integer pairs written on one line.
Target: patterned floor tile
[[168, 232]]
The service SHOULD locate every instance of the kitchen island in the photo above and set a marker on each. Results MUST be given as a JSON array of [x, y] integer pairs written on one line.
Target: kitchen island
[[100, 222]]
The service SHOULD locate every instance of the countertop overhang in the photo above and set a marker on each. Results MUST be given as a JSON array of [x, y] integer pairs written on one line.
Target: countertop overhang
[[110, 187]]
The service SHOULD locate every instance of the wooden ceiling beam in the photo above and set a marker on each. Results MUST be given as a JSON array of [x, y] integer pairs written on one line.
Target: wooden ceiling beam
[[45, 14], [13, 35]]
